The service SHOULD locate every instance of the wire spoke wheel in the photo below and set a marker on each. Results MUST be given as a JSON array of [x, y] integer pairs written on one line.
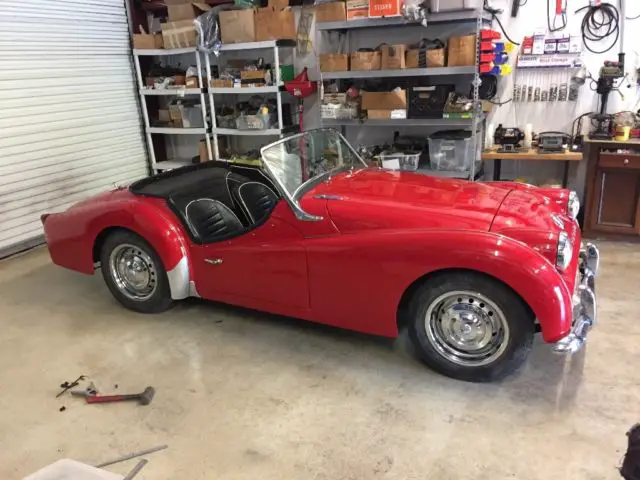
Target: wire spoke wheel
[[467, 328], [133, 271]]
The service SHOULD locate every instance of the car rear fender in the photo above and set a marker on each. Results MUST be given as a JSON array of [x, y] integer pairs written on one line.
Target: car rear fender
[[73, 236], [514, 263]]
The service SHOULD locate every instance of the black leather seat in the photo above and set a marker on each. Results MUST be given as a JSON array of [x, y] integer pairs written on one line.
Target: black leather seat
[[211, 220], [257, 200]]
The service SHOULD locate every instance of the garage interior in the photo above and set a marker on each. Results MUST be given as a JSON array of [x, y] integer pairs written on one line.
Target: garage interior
[[110, 92]]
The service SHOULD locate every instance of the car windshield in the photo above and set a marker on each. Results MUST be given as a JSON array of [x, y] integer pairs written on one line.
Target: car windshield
[[302, 160]]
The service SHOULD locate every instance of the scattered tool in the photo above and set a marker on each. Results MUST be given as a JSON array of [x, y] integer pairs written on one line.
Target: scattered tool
[[132, 455], [67, 386], [143, 398], [135, 470], [90, 390]]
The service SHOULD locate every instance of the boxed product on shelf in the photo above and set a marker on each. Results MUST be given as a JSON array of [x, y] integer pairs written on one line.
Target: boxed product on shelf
[[237, 26], [145, 41], [428, 101], [163, 115], [393, 57], [221, 83], [357, 9], [338, 106], [426, 58], [385, 8], [183, 10], [365, 60], [253, 78], [186, 115], [334, 62], [255, 122], [272, 24], [394, 100], [400, 160], [462, 51], [378, 114], [179, 34], [191, 82], [331, 12], [444, 5]]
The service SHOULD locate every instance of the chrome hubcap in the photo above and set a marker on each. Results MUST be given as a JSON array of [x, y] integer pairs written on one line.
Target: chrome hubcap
[[133, 272], [467, 328]]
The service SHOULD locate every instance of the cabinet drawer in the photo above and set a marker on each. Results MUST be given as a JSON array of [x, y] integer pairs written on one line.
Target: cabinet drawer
[[619, 161]]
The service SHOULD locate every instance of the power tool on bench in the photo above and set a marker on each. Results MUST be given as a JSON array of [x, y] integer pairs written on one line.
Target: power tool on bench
[[609, 73], [509, 139]]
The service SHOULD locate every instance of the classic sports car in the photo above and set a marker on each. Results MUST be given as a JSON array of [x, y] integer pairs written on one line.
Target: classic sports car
[[473, 270]]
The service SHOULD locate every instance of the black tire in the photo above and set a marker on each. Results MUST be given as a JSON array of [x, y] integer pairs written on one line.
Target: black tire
[[160, 299], [520, 328]]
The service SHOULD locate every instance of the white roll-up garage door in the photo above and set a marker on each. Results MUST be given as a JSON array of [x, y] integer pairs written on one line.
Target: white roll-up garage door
[[69, 120]]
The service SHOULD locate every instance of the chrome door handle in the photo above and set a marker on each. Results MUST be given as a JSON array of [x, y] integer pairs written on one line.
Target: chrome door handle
[[213, 261]]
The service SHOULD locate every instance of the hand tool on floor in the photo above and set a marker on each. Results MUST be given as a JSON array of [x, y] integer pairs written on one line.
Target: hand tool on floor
[[90, 390], [143, 398], [136, 469], [66, 385], [131, 455]]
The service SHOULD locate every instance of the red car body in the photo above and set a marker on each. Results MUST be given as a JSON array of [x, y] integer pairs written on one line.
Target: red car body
[[381, 232]]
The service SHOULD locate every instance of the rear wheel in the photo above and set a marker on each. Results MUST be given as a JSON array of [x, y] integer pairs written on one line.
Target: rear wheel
[[134, 273], [470, 327]]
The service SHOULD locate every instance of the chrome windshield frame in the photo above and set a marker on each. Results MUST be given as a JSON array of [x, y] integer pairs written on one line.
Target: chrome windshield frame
[[293, 198]]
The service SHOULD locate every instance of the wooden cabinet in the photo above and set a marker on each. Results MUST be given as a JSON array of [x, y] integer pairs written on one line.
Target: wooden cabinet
[[613, 189]]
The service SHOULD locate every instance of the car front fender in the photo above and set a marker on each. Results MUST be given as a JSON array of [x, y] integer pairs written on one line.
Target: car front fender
[[525, 270]]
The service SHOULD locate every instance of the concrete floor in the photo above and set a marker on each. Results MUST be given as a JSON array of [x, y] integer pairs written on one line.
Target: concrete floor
[[242, 395]]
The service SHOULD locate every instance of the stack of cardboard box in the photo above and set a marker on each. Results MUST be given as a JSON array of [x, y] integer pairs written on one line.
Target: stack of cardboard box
[[179, 31], [274, 22]]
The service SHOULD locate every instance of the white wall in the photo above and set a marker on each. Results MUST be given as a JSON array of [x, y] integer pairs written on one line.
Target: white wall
[[532, 16]]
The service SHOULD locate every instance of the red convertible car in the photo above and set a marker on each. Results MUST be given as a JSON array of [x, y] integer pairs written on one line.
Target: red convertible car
[[472, 270]]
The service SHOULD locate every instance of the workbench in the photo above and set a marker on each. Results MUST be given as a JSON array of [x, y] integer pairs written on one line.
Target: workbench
[[531, 155]]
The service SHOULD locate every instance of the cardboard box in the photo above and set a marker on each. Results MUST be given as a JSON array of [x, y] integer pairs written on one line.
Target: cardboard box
[[462, 51], [253, 78], [191, 82], [186, 10], [146, 41], [357, 9], [163, 115], [221, 83], [278, 4], [386, 114], [180, 34], [237, 26], [393, 57], [365, 60], [271, 24], [202, 151], [331, 12], [385, 8], [426, 58], [395, 100], [334, 62]]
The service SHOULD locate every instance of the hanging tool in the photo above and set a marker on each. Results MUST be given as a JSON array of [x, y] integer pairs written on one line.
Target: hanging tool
[[143, 398], [66, 385]]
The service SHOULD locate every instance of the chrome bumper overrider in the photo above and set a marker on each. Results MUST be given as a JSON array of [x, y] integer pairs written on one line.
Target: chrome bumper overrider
[[584, 302]]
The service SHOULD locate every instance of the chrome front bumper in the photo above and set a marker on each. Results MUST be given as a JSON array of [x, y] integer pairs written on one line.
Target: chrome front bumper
[[584, 302]]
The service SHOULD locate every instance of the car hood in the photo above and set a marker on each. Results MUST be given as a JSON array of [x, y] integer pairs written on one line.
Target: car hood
[[385, 199]]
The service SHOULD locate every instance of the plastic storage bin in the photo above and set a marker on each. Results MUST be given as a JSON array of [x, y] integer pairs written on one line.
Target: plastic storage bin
[[255, 122], [445, 5], [452, 151], [400, 161]]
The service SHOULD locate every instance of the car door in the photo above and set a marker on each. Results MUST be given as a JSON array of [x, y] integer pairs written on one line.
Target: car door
[[265, 268]]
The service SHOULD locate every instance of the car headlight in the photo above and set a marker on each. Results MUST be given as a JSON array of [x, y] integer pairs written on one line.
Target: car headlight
[[573, 204], [565, 251]]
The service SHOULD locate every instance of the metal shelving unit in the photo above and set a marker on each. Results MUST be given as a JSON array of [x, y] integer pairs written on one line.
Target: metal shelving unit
[[178, 92], [475, 19], [277, 89]]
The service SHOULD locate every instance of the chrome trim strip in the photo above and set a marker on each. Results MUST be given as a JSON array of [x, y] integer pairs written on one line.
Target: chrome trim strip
[[600, 200], [179, 280]]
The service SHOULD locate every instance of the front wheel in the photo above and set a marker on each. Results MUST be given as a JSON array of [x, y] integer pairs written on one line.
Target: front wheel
[[470, 327], [134, 273]]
